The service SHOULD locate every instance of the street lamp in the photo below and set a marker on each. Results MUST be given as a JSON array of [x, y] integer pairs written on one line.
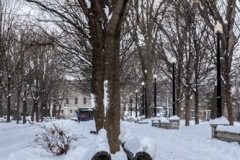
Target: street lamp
[[218, 31], [155, 94], [136, 92], [145, 99], [167, 105], [130, 101], [173, 61], [142, 107]]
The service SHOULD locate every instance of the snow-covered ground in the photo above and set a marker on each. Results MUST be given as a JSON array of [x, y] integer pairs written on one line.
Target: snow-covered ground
[[187, 143]]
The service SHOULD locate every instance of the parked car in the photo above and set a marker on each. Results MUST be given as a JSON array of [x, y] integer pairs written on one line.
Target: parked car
[[74, 119], [14, 118]]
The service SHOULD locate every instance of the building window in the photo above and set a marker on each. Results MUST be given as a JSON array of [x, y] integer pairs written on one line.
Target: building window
[[76, 100], [84, 100], [67, 102]]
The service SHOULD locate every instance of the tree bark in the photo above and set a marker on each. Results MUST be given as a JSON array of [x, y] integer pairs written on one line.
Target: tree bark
[[98, 62], [18, 105], [112, 70], [24, 104], [196, 104]]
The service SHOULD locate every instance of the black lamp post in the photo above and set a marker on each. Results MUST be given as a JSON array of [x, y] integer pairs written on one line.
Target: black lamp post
[[145, 99], [218, 31], [130, 101], [136, 92], [142, 108], [155, 94], [173, 84]]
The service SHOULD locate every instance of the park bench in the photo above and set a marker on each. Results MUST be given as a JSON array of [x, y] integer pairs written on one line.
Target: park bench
[[162, 122], [223, 131], [141, 155], [102, 155], [156, 122], [100, 149], [2, 120], [143, 122], [137, 148]]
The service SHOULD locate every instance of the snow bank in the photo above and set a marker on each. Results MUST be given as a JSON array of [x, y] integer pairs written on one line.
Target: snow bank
[[232, 129], [174, 118], [221, 120]]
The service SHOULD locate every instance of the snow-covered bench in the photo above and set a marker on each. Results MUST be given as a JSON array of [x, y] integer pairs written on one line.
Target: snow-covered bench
[[161, 122], [136, 155], [2, 120], [156, 122], [101, 155], [143, 122], [223, 131], [172, 123], [100, 149], [137, 148]]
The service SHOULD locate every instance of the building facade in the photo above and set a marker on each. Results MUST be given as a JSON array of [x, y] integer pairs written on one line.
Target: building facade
[[75, 100]]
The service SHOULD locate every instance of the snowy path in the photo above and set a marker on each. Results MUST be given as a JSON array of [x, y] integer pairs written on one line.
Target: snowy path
[[15, 137], [187, 143]]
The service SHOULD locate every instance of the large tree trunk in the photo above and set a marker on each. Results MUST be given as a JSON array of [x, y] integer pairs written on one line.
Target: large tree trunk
[[24, 106], [32, 113], [196, 104], [97, 86], [8, 108], [35, 106], [59, 111], [228, 93], [18, 106], [187, 105], [149, 86], [178, 92], [113, 112], [112, 70], [54, 110], [98, 62]]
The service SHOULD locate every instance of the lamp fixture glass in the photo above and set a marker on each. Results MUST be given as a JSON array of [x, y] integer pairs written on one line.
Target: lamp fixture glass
[[155, 76], [218, 28], [173, 60]]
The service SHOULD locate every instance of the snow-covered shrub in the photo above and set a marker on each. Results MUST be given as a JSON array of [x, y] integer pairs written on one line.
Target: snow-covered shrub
[[55, 139]]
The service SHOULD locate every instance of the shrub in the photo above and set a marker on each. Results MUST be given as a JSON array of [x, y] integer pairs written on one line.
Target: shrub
[[55, 139]]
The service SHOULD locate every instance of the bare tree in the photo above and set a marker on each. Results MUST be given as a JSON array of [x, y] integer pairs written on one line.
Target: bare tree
[[102, 30], [9, 50], [225, 13], [145, 32], [183, 37]]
